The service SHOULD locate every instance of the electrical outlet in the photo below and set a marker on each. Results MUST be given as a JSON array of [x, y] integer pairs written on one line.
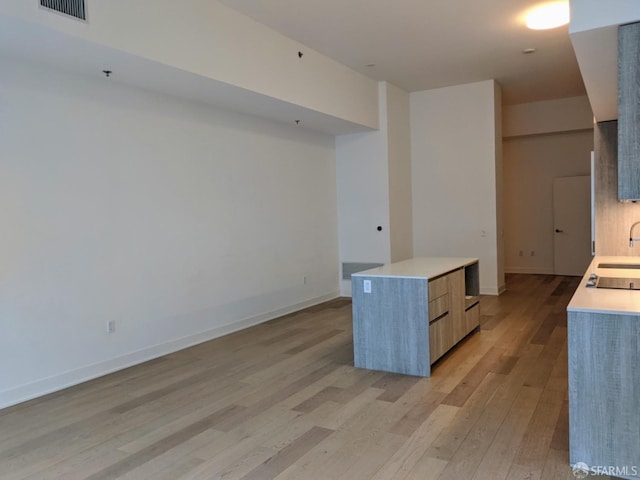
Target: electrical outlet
[[533, 253], [111, 326], [367, 286], [304, 280], [521, 253]]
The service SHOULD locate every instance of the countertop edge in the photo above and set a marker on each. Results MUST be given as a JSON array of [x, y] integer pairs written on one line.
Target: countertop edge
[[606, 301], [433, 267]]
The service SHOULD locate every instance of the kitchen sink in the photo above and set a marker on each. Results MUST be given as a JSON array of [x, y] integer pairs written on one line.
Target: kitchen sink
[[619, 283], [633, 266]]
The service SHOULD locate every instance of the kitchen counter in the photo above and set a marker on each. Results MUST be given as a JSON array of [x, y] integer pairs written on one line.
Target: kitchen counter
[[420, 267], [408, 314], [604, 300], [603, 332]]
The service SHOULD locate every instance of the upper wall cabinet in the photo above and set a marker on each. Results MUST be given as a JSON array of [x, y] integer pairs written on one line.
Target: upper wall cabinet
[[629, 112]]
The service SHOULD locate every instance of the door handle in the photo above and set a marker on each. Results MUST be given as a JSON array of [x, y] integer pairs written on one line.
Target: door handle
[[559, 231]]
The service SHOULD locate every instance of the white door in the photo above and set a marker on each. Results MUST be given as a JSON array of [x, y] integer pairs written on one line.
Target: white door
[[572, 225]]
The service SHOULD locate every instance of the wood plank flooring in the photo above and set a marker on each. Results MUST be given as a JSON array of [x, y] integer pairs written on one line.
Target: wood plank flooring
[[283, 401]]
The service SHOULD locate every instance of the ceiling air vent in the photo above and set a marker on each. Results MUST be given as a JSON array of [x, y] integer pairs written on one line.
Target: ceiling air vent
[[73, 8]]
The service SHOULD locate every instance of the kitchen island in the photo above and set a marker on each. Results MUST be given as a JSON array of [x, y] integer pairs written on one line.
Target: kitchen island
[[406, 315], [604, 370]]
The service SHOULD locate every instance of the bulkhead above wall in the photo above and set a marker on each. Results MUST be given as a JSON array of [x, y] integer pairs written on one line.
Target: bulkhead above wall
[[203, 51]]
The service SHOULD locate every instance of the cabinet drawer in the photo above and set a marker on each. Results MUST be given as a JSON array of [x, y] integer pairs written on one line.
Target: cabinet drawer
[[438, 307], [440, 337], [472, 318], [438, 287]]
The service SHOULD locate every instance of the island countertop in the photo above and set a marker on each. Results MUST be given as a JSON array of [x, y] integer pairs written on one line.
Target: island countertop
[[419, 267], [605, 300]]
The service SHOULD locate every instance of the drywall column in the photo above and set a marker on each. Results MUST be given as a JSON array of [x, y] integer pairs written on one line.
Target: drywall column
[[373, 172], [499, 169], [400, 201], [455, 166]]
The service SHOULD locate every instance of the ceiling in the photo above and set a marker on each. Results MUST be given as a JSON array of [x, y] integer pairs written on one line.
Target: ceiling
[[420, 44]]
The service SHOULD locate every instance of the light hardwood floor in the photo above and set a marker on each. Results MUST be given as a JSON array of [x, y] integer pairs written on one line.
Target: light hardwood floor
[[282, 400]]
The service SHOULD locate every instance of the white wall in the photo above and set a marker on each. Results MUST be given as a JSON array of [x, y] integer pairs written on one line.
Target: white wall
[[453, 150], [179, 222], [543, 140], [531, 164], [374, 187], [362, 174], [550, 116], [214, 41]]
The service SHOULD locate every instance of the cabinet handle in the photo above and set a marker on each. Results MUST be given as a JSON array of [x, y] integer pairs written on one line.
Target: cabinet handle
[[439, 317]]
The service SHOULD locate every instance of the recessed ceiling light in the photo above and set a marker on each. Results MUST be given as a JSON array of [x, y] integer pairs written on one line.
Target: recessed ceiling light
[[370, 65], [527, 51], [548, 15]]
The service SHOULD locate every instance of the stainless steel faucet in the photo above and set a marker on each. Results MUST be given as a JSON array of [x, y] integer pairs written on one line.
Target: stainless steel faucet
[[631, 239]]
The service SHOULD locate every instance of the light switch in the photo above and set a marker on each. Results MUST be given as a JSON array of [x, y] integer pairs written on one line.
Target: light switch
[[367, 286]]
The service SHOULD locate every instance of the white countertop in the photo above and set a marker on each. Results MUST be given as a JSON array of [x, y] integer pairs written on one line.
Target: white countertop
[[605, 300], [420, 267]]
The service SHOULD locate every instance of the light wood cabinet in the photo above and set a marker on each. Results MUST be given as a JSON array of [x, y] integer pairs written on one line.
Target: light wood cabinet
[[461, 317], [438, 287], [438, 307], [441, 337], [472, 317], [404, 323], [455, 280]]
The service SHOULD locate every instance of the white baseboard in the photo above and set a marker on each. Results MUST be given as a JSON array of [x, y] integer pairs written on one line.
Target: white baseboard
[[490, 291], [499, 290], [64, 380], [345, 288], [529, 270]]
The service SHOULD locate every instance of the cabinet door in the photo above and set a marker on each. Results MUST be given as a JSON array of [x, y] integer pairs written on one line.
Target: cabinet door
[[472, 318], [438, 287], [440, 337], [438, 307], [456, 288]]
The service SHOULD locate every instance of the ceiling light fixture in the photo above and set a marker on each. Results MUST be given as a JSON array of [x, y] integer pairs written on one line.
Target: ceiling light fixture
[[528, 51], [548, 15]]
